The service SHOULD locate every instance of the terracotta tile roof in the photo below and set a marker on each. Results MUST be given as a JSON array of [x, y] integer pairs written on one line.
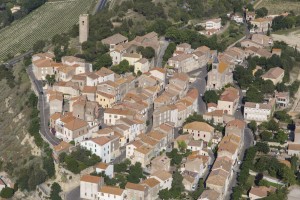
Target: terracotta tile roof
[[210, 105], [195, 155], [134, 186], [260, 191], [118, 111], [112, 190], [162, 175], [91, 179], [236, 123], [210, 194], [217, 177], [56, 96], [185, 137], [101, 165], [132, 55], [103, 94], [147, 139], [259, 105], [229, 143], [136, 143], [203, 49], [43, 62], [157, 135], [151, 182], [144, 149], [158, 69], [195, 143], [104, 72], [200, 126], [80, 77], [62, 146], [55, 116], [142, 60], [102, 140], [294, 147], [264, 53], [230, 94], [224, 163], [114, 39], [76, 124], [181, 57], [89, 89], [217, 113], [222, 67], [273, 73]]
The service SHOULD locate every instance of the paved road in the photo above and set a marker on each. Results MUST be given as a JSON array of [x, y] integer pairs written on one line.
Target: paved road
[[17, 59], [248, 142], [99, 6], [44, 110], [163, 46], [73, 194], [200, 84]]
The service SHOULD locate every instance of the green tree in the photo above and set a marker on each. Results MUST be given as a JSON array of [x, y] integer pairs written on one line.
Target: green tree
[[294, 163], [135, 173], [196, 194], [266, 135], [283, 116], [103, 61], [210, 96], [253, 95], [261, 12], [50, 79], [262, 147], [177, 185], [253, 126], [7, 193], [48, 166], [165, 194], [38, 46], [175, 157], [182, 146], [280, 137], [55, 190]]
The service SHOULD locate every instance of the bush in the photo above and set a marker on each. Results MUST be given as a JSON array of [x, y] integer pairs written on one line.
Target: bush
[[7, 193]]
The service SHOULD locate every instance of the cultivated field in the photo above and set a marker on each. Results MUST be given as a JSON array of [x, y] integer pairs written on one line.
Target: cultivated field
[[280, 6], [50, 19]]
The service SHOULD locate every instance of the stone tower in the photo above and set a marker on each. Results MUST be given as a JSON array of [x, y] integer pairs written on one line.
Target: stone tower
[[83, 28]]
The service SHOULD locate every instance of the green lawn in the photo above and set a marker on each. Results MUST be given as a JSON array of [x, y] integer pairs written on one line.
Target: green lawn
[[42, 24]]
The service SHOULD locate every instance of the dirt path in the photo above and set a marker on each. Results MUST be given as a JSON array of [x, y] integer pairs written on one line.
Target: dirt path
[[257, 4]]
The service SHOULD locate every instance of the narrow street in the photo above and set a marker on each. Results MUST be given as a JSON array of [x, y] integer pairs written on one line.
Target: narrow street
[[44, 110]]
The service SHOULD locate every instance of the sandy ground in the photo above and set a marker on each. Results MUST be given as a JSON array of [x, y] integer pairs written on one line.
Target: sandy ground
[[294, 193], [291, 39]]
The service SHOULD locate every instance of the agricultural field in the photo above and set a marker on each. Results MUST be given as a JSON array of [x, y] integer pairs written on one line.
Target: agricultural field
[[280, 6], [42, 24]]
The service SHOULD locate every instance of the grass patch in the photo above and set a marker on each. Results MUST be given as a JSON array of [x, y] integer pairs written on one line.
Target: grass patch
[[280, 6], [233, 33], [42, 24], [296, 30]]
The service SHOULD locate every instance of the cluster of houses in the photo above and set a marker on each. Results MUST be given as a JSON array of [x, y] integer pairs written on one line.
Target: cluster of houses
[[222, 170], [93, 187]]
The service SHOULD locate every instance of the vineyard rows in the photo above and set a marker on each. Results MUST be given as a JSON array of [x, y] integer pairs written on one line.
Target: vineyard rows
[[42, 24]]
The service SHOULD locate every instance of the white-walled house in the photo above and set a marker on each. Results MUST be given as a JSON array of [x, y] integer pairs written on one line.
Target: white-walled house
[[258, 112], [213, 24], [199, 130], [110, 192], [165, 179], [89, 186], [108, 169], [101, 146]]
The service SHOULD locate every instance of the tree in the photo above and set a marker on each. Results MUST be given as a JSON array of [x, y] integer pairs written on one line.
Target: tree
[[266, 135], [283, 116], [267, 87], [55, 190], [135, 173], [38, 46], [7, 193], [294, 163], [253, 95], [196, 194], [148, 52], [253, 126], [177, 185], [261, 12], [243, 76], [280, 137], [182, 146], [103, 61], [210, 96], [48, 166], [122, 68], [176, 158], [50, 79], [262, 147], [165, 194]]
